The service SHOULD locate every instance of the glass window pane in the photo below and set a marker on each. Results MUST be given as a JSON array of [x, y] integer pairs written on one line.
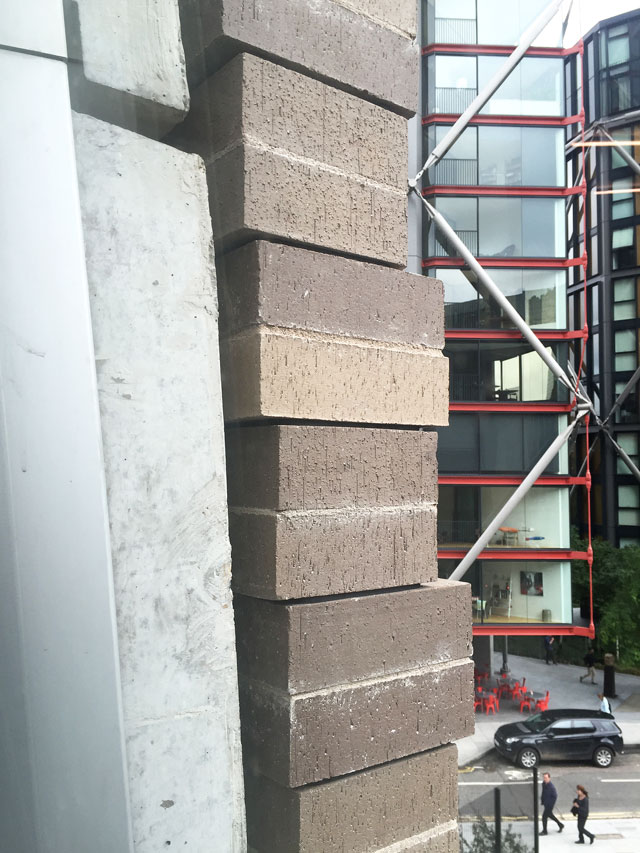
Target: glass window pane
[[625, 341], [539, 432], [618, 50], [629, 516], [626, 362], [623, 289], [455, 8], [501, 447], [624, 311], [542, 157], [454, 72], [628, 496], [501, 227], [543, 227], [542, 86], [460, 299], [458, 445], [622, 237]]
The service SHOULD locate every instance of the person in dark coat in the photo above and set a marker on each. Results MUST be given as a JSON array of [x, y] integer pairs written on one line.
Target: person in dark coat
[[589, 660], [581, 803], [548, 800]]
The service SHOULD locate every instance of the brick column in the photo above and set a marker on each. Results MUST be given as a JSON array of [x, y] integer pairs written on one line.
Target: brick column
[[352, 655]]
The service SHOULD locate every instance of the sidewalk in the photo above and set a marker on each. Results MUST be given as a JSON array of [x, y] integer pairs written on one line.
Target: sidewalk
[[621, 835], [565, 691]]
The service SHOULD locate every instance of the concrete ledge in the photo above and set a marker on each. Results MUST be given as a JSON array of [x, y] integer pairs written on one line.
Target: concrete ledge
[[325, 39], [299, 739], [276, 373], [300, 555], [271, 284], [131, 69], [412, 802], [311, 645], [290, 467]]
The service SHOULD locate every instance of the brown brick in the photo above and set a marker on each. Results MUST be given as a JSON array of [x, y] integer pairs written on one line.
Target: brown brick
[[303, 554], [327, 467], [326, 39], [278, 285], [281, 374], [306, 646], [412, 800], [319, 735]]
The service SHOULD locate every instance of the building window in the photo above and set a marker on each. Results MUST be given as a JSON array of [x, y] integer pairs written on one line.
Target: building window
[[629, 505], [622, 198], [537, 295], [627, 413], [624, 299], [622, 248], [628, 441], [626, 349]]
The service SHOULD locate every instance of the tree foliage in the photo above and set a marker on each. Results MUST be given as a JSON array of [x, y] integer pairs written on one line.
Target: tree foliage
[[616, 596], [484, 840]]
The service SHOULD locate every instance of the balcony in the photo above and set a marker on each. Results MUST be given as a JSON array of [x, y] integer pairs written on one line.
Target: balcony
[[452, 171], [449, 100], [469, 238], [455, 30]]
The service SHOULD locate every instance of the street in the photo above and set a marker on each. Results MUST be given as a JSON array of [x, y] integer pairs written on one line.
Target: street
[[614, 792]]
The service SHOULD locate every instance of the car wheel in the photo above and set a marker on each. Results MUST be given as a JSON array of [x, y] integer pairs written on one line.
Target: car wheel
[[528, 758], [603, 756]]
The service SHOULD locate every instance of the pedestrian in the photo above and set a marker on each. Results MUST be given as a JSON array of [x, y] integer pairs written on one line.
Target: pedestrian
[[549, 650], [589, 660], [604, 703], [548, 800], [581, 805]]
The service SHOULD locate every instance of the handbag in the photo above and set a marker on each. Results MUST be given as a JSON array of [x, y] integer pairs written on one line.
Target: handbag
[[574, 810]]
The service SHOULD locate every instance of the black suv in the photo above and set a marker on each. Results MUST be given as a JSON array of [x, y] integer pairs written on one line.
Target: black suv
[[565, 735]]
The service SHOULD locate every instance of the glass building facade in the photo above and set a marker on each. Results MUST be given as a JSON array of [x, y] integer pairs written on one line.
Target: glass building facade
[[611, 97], [502, 188]]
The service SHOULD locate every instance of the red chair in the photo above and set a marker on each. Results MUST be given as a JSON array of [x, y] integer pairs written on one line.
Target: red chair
[[505, 690], [489, 703], [496, 693], [542, 704], [526, 701], [517, 691], [477, 702]]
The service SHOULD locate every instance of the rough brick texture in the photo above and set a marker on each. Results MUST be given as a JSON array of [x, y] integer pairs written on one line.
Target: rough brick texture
[[278, 285], [325, 38], [298, 555], [311, 645], [131, 69], [292, 158], [413, 799], [278, 373], [298, 739], [290, 467], [399, 14]]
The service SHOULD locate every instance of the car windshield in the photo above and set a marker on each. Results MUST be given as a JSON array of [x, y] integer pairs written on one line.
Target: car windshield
[[538, 722]]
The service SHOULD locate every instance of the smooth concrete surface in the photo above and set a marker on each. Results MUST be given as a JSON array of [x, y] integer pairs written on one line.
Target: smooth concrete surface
[[34, 25], [130, 67], [413, 800], [331, 552], [307, 737], [271, 284], [310, 645], [153, 303], [327, 39], [283, 373], [397, 14], [565, 691], [62, 758], [304, 467]]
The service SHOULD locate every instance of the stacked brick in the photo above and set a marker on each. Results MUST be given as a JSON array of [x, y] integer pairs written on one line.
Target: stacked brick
[[353, 657]]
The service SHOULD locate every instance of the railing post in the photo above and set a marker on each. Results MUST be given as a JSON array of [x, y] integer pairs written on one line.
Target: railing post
[[536, 840], [498, 820]]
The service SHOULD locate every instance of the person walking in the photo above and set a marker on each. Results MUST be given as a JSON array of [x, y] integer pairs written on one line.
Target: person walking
[[548, 800], [581, 806], [604, 703], [589, 660], [549, 650]]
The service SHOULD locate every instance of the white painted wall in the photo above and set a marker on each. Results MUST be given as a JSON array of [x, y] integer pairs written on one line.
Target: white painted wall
[[556, 585], [543, 512], [61, 747]]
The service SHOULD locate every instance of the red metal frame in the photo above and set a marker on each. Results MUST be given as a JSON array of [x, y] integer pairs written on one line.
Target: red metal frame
[[493, 480], [509, 630], [496, 49], [546, 192], [511, 334], [515, 263], [533, 121], [554, 555], [560, 408]]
